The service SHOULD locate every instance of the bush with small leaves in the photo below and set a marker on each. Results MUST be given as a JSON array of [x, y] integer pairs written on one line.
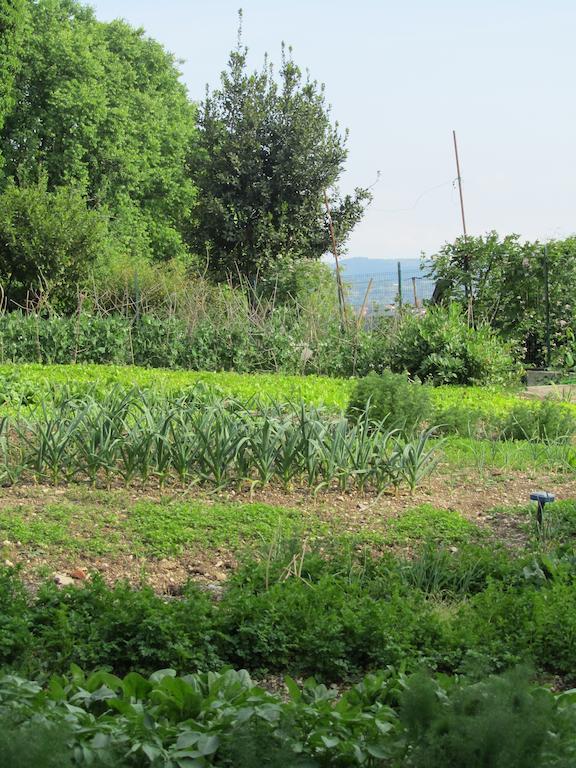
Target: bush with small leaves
[[404, 404], [440, 347]]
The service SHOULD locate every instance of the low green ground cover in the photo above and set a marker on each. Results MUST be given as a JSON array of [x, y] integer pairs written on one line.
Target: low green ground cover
[[430, 524], [118, 526], [145, 529], [487, 401], [457, 603], [31, 382], [508, 455], [167, 530]]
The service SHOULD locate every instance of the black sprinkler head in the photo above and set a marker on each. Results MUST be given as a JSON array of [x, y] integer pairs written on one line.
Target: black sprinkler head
[[543, 498]]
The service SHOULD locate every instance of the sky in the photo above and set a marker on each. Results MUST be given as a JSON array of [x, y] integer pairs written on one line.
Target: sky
[[401, 76]]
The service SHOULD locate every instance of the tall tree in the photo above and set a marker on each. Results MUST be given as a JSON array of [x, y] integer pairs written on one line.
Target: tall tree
[[14, 17], [101, 106], [267, 152]]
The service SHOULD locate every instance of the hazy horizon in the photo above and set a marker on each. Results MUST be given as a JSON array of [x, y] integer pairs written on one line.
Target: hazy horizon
[[401, 77]]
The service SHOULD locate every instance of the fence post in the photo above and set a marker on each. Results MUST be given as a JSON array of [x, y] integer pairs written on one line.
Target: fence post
[[399, 285], [414, 292]]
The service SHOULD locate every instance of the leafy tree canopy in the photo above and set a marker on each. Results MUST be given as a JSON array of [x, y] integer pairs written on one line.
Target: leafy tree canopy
[[100, 106], [14, 17], [267, 152]]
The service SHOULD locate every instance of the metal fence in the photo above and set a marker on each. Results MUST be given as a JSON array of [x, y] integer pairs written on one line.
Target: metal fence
[[382, 292]]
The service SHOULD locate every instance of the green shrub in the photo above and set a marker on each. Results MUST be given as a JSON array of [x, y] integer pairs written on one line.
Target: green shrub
[[60, 340], [441, 348], [546, 421], [456, 420], [278, 342], [555, 629], [14, 617], [331, 628], [391, 396], [505, 625], [159, 343], [49, 239], [474, 610], [38, 744]]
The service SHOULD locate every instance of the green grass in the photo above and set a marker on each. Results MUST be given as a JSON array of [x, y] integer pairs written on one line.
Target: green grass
[[108, 524], [519, 455], [112, 524], [61, 528]]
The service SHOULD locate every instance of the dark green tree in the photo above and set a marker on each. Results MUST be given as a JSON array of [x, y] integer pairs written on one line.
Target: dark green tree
[[267, 152], [101, 106]]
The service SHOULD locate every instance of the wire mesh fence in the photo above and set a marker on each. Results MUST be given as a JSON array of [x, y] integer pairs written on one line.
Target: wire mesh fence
[[383, 292]]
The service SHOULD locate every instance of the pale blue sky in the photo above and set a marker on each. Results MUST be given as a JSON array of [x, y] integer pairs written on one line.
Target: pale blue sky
[[401, 76]]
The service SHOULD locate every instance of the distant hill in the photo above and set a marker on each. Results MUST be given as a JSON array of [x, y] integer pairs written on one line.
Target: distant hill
[[357, 266]]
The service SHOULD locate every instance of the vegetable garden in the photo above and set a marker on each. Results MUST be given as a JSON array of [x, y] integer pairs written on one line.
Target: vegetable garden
[[240, 525], [376, 569]]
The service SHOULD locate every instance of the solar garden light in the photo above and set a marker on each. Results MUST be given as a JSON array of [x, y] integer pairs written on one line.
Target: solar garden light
[[542, 498]]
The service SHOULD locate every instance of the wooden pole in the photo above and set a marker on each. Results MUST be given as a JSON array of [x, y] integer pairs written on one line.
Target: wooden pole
[[466, 260], [341, 302], [547, 306], [459, 184]]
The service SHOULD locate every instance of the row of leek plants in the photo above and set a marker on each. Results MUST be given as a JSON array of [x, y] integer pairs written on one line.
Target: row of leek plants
[[136, 436]]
